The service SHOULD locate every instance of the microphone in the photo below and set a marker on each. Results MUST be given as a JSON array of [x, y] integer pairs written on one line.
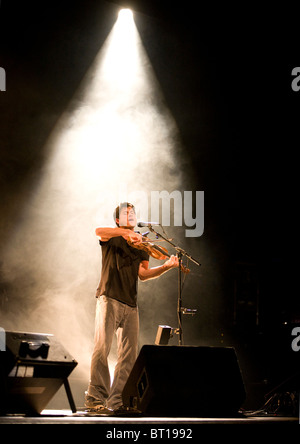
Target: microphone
[[147, 224]]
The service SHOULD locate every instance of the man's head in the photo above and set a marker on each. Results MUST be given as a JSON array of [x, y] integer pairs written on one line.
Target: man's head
[[124, 215]]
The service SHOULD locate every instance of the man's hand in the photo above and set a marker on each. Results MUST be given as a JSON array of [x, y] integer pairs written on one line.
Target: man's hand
[[172, 262], [146, 273]]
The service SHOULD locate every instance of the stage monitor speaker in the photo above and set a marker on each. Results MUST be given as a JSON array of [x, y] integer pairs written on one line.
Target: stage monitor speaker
[[32, 368], [185, 381]]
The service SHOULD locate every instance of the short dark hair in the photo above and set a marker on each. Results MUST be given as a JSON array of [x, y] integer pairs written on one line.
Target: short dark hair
[[122, 205]]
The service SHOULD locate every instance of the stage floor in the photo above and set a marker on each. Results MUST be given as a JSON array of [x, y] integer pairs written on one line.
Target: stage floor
[[158, 425]]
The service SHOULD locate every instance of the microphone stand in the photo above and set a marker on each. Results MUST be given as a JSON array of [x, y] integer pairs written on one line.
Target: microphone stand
[[180, 310]]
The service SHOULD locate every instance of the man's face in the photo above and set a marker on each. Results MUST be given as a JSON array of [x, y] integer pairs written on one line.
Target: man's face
[[127, 218]]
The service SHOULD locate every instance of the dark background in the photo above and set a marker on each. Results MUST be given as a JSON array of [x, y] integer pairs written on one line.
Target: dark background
[[225, 73]]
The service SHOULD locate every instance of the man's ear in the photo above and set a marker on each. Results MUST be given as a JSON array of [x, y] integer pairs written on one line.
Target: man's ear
[[117, 221]]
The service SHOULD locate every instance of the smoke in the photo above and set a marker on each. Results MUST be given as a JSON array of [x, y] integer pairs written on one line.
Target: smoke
[[117, 139]]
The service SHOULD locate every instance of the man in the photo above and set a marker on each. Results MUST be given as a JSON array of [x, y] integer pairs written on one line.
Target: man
[[117, 310]]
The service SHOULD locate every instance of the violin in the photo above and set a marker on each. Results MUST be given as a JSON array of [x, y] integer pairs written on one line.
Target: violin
[[153, 250]]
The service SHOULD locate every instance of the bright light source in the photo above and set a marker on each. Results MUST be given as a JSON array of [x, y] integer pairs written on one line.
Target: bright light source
[[121, 62], [125, 15]]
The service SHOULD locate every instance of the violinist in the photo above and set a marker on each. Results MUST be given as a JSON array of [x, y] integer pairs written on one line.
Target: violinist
[[116, 311]]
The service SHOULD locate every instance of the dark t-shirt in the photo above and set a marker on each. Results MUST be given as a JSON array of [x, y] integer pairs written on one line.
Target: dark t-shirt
[[120, 266]]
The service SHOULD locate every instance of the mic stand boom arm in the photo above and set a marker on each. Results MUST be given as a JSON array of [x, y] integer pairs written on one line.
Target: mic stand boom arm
[[178, 249], [180, 253]]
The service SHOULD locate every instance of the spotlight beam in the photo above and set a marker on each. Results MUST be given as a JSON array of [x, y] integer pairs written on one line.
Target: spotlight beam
[[116, 133]]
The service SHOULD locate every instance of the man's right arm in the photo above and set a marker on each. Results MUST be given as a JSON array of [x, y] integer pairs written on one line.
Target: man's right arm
[[106, 233]]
